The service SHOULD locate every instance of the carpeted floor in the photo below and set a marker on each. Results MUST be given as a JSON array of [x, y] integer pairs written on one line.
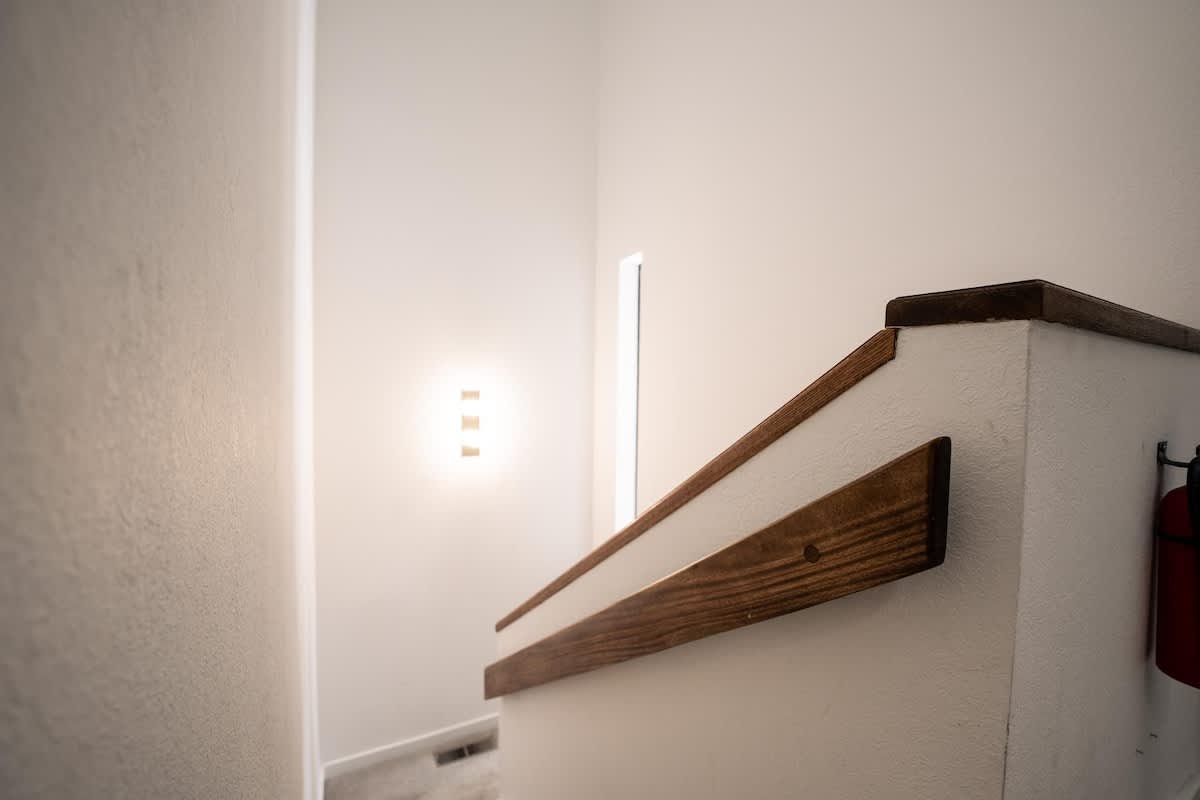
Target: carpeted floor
[[419, 778]]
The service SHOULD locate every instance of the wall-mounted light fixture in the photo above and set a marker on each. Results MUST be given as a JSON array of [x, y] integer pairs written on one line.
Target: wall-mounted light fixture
[[469, 407]]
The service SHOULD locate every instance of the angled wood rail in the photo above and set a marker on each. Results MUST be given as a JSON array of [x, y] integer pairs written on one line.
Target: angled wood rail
[[886, 525], [1021, 300], [1040, 300], [868, 357]]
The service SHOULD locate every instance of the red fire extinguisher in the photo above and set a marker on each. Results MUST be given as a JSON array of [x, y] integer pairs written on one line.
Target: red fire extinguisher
[[1177, 645]]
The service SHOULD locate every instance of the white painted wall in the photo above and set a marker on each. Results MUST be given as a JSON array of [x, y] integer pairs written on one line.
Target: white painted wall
[[455, 207], [1019, 669], [901, 691], [786, 168], [148, 622], [1092, 717]]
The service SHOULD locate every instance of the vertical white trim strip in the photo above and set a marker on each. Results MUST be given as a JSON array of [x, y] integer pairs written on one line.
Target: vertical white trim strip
[[629, 279], [302, 394]]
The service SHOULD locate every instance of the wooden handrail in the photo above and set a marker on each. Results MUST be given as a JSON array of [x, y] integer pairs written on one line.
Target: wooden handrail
[[1022, 300], [886, 525], [1040, 300], [868, 357]]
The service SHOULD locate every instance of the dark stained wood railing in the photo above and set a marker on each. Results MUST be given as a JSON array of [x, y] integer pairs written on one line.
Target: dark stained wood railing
[[1040, 300], [886, 525], [1023, 300], [868, 357]]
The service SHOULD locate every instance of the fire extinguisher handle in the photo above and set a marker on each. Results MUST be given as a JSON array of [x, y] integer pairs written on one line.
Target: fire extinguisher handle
[[1193, 494]]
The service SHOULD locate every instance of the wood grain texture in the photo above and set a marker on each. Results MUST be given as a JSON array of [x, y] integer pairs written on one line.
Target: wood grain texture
[[868, 357], [884, 526], [1040, 300]]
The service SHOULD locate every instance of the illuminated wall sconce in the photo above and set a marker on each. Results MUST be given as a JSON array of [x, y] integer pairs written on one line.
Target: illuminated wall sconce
[[469, 405]]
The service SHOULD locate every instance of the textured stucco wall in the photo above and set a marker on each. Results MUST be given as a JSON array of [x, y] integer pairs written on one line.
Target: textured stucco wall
[[1092, 717], [147, 613], [901, 691]]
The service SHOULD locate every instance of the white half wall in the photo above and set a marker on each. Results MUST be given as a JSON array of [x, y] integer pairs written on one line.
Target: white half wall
[[454, 242], [900, 691], [1021, 668], [1092, 717], [786, 168]]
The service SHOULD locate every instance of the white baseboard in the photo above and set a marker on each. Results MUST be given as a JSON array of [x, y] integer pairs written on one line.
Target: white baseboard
[[452, 736]]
